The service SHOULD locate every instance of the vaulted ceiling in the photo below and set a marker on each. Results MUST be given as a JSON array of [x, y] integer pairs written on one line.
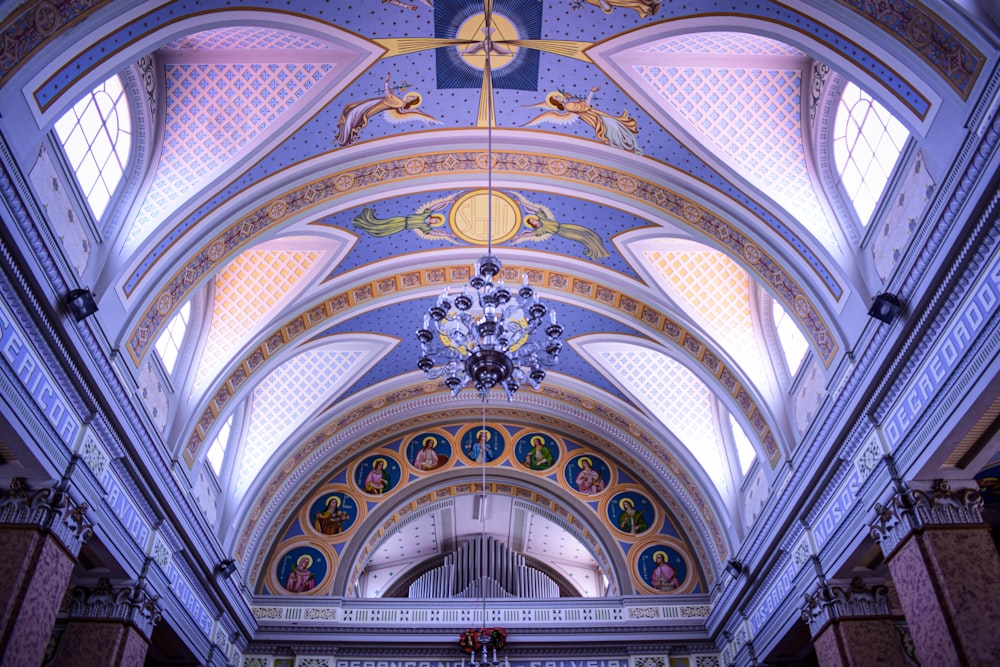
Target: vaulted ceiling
[[306, 182]]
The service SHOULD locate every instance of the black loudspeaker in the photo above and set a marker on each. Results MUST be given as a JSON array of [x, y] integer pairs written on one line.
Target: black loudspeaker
[[885, 307], [81, 303]]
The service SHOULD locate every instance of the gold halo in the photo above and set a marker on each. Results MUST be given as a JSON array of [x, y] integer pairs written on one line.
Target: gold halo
[[470, 214], [307, 557]]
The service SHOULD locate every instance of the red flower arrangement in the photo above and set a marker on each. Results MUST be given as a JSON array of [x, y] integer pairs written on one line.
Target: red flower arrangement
[[472, 640]]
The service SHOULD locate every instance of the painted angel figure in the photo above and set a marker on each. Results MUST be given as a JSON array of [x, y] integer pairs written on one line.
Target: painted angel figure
[[643, 8], [356, 115], [539, 225], [617, 131], [428, 222], [400, 3]]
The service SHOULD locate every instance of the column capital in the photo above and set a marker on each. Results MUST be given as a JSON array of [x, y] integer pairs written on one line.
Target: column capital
[[914, 509], [129, 603], [47, 508], [831, 602]]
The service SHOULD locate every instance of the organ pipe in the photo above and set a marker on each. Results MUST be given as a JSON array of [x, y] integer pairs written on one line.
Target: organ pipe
[[489, 569]]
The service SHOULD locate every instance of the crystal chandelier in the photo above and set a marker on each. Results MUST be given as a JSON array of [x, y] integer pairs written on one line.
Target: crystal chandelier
[[490, 335], [486, 336]]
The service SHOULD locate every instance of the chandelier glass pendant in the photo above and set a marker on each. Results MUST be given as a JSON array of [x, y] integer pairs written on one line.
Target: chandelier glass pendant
[[489, 335]]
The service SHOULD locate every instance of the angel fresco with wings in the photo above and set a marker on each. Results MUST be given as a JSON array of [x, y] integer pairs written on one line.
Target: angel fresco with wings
[[540, 224], [562, 108], [428, 222], [644, 8], [403, 5], [535, 222], [356, 115]]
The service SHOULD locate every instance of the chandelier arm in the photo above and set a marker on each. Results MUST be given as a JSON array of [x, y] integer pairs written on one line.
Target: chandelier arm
[[488, 339]]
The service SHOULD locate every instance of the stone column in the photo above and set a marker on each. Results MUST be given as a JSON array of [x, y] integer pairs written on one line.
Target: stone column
[[946, 572], [108, 627], [41, 533], [853, 626]]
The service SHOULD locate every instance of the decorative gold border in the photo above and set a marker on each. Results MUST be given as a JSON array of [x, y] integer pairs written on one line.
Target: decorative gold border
[[404, 444], [680, 516], [653, 525], [404, 471], [693, 571], [327, 313], [322, 587], [560, 453], [324, 192], [588, 497]]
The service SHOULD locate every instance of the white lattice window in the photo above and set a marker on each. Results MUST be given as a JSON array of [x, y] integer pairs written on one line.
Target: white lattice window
[[793, 343], [168, 345], [217, 452], [96, 135], [866, 146]]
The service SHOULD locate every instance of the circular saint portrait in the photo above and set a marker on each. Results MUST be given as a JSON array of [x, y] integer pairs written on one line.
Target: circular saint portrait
[[479, 439], [302, 569], [333, 513], [631, 512], [377, 474], [428, 451], [587, 474], [662, 567], [536, 451]]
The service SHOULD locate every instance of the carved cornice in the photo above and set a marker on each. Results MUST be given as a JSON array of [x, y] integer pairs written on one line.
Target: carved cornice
[[912, 510], [830, 603], [128, 604], [49, 509]]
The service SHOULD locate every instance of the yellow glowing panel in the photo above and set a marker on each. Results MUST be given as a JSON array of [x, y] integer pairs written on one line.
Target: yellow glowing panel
[[716, 291], [253, 285]]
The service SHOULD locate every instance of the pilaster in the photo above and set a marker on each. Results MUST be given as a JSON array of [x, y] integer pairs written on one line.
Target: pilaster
[[109, 626], [41, 533], [853, 625], [946, 571]]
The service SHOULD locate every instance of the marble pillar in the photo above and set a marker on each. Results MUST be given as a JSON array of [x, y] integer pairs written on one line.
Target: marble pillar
[[946, 572], [41, 532], [853, 626], [109, 626]]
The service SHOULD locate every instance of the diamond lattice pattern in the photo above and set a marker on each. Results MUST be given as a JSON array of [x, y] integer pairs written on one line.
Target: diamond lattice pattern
[[681, 401], [244, 37], [723, 43], [717, 290], [214, 112], [253, 284], [749, 117], [279, 404]]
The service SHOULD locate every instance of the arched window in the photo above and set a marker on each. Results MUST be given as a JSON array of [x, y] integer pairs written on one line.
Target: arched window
[[96, 135], [217, 452], [744, 448], [168, 345], [866, 145], [793, 343]]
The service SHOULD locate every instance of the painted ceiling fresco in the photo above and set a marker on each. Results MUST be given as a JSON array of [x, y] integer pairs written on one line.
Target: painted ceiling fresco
[[318, 173]]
